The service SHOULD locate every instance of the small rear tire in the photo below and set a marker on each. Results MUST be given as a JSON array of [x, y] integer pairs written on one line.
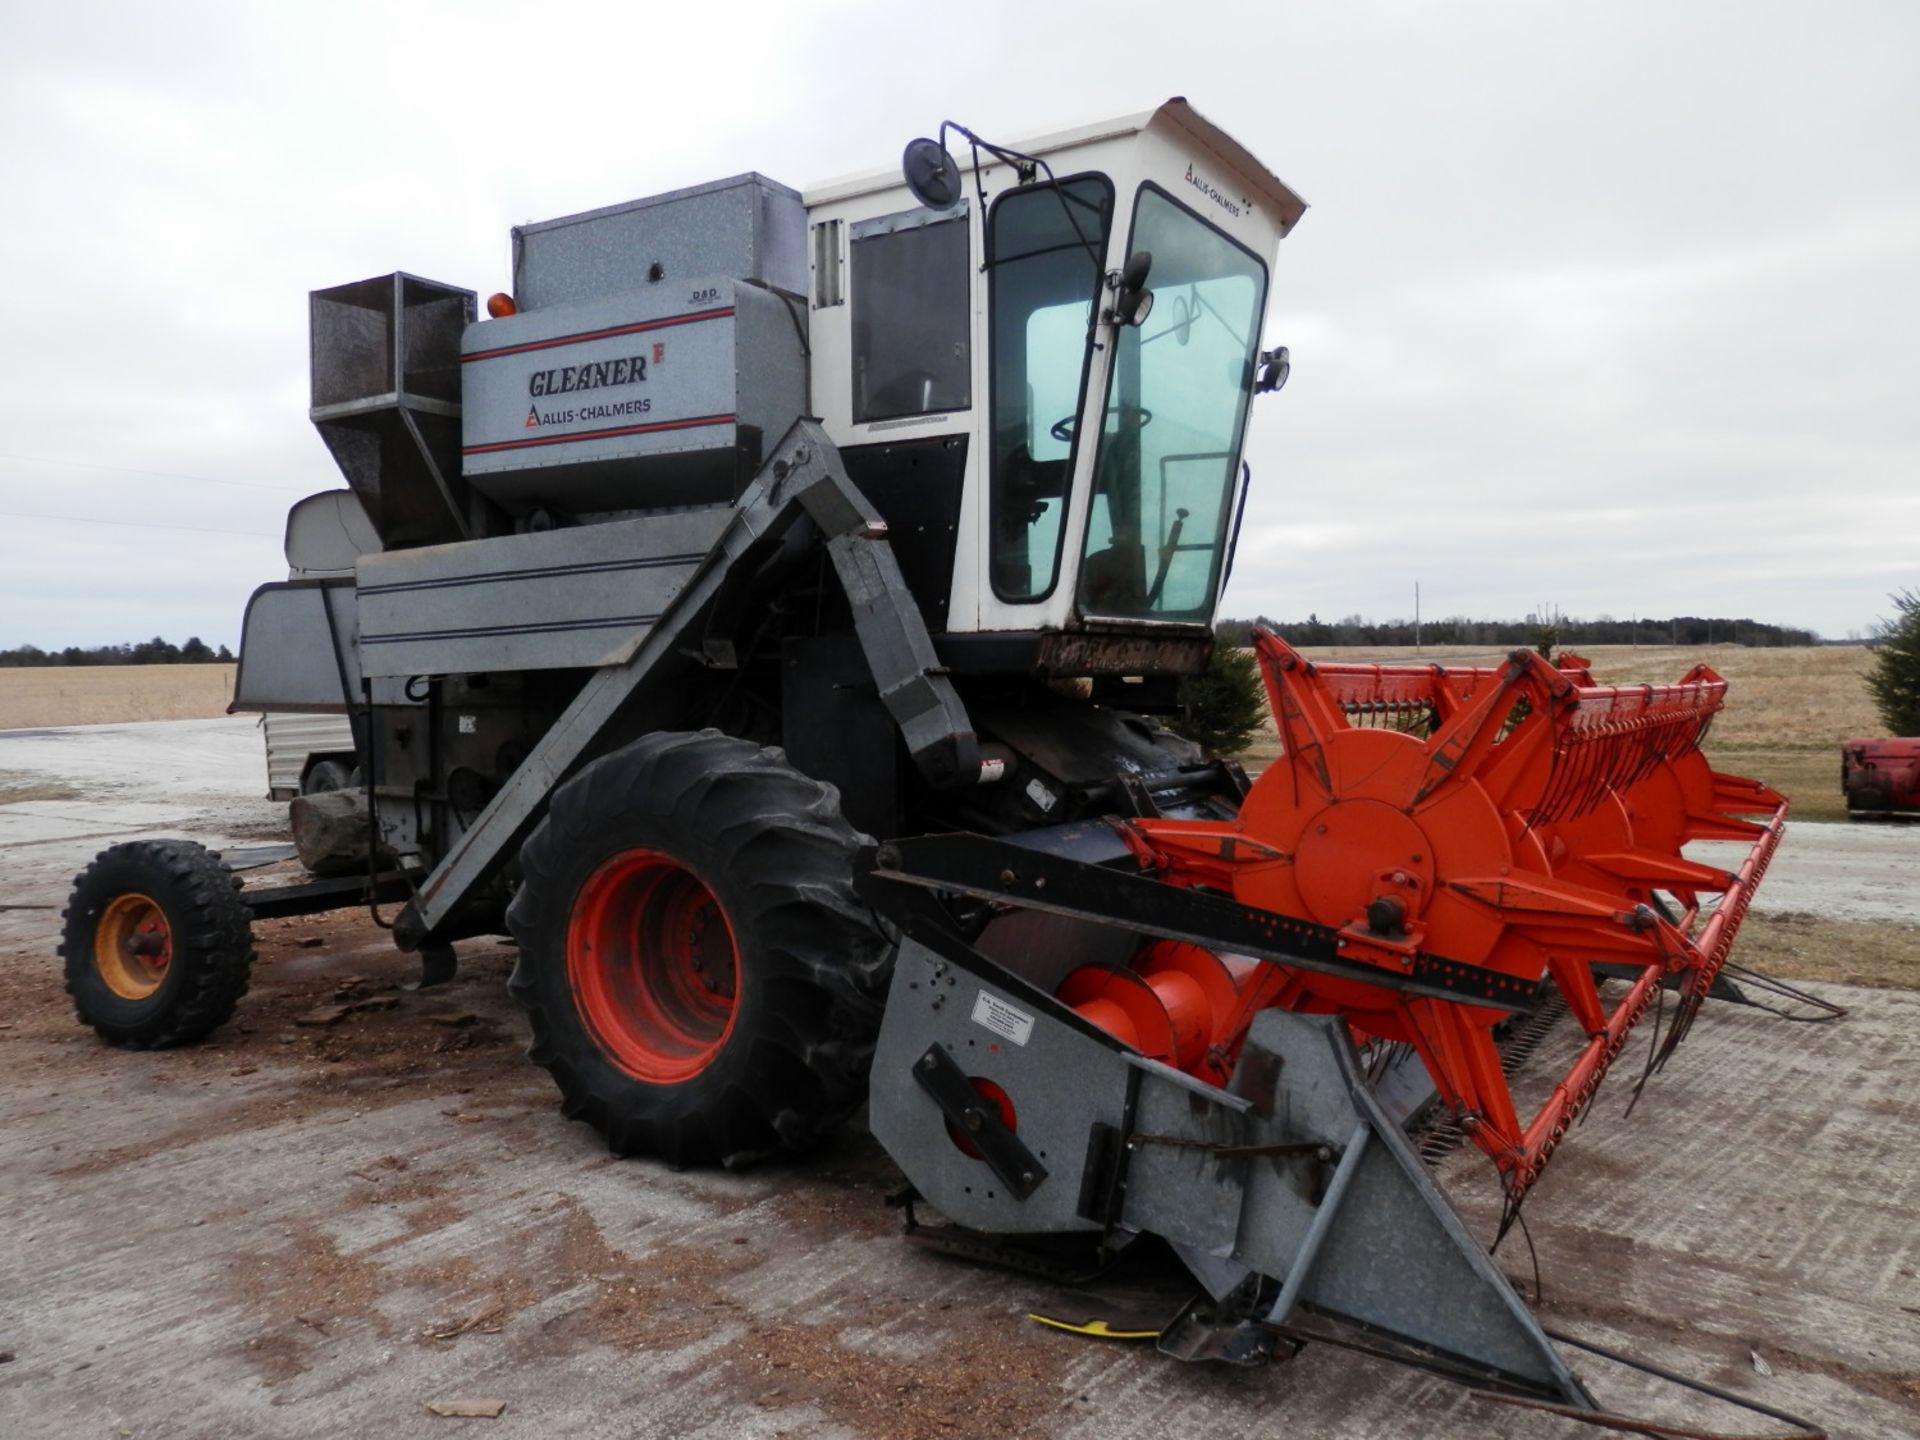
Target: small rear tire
[[701, 980], [156, 943], [324, 776]]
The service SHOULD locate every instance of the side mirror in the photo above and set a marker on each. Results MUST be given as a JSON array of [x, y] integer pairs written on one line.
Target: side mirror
[[932, 174], [1134, 302], [1275, 366]]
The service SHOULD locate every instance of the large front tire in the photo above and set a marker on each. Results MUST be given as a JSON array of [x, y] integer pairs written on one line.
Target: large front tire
[[157, 944], [702, 982]]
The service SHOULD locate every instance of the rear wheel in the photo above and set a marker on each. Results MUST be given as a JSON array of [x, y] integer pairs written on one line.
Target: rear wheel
[[702, 983], [157, 944], [325, 776]]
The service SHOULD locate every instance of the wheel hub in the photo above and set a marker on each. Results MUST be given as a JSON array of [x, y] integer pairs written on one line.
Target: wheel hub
[[133, 946], [653, 966]]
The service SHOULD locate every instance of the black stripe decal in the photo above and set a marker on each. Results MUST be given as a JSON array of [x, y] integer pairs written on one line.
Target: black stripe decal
[[537, 572], [692, 424], [482, 632], [608, 334]]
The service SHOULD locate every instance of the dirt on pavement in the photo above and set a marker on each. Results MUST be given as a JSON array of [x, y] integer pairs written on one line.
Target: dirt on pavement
[[360, 1198]]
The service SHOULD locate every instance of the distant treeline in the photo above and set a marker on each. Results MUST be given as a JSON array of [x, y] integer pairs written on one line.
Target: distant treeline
[[1565, 631], [147, 652]]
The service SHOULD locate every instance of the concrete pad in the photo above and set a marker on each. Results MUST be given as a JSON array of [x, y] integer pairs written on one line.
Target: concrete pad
[[313, 1231], [1843, 870], [204, 780]]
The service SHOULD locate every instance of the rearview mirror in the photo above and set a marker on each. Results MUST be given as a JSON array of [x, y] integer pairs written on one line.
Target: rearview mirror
[[932, 174], [1134, 302], [1275, 366]]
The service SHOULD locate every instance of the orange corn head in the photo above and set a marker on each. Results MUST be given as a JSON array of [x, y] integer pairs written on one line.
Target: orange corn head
[[1520, 820]]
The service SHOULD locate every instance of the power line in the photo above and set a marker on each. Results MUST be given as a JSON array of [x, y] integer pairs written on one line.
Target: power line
[[158, 474], [134, 524]]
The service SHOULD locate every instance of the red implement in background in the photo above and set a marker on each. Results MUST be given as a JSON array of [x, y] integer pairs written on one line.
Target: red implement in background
[[1519, 819], [1881, 777]]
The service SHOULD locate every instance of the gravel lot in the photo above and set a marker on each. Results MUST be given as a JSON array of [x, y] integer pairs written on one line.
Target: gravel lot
[[305, 1230]]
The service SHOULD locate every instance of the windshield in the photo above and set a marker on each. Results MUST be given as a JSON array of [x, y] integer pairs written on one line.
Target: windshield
[[1176, 404], [1044, 245]]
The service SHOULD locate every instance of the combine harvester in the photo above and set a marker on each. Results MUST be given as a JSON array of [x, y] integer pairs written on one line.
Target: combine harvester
[[721, 577]]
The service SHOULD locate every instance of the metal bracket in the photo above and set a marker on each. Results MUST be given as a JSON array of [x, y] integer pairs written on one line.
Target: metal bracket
[[913, 684], [998, 870], [1362, 1239], [804, 477], [978, 1118]]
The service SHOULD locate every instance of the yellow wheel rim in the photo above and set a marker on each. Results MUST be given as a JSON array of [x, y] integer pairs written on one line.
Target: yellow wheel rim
[[133, 946]]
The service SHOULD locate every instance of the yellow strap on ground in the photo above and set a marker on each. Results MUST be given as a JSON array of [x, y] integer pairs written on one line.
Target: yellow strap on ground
[[1098, 1329]]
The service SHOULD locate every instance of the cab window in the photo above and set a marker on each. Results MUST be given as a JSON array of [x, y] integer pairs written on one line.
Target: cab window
[[1163, 483], [1044, 250], [909, 278]]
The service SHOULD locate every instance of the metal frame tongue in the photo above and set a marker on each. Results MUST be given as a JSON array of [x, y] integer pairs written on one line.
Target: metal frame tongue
[[1293, 1172]]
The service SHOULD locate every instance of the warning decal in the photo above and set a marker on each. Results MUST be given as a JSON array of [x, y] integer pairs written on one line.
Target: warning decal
[[1003, 1019]]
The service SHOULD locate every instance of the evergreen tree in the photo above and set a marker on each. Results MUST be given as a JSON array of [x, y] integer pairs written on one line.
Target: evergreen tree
[[1895, 677], [1224, 706]]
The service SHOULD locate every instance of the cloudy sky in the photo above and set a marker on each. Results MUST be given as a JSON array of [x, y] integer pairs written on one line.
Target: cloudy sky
[[1611, 306]]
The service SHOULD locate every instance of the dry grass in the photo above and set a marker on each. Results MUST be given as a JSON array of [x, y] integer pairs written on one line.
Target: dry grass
[[1795, 946], [17, 785], [106, 694], [1785, 699], [1808, 778], [1787, 709]]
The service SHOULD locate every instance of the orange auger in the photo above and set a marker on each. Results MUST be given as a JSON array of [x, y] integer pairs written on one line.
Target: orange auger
[[1520, 819]]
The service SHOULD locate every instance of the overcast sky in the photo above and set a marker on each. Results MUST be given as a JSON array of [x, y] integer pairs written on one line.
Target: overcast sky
[[1607, 306]]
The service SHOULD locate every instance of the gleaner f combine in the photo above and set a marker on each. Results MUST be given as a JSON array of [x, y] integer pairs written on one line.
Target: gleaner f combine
[[724, 579]]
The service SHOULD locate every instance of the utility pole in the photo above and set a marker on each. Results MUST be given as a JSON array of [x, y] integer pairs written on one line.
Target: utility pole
[[1416, 617]]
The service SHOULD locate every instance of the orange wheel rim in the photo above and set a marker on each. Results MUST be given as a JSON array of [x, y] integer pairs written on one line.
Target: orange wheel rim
[[653, 966], [133, 946]]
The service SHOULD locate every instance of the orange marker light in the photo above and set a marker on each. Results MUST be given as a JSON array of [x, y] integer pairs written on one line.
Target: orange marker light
[[501, 305]]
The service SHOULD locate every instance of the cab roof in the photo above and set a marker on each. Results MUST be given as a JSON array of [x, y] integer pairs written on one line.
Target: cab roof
[[1175, 114]]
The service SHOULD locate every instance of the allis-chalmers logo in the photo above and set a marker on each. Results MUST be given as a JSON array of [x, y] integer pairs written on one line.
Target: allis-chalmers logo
[[1213, 193], [595, 375]]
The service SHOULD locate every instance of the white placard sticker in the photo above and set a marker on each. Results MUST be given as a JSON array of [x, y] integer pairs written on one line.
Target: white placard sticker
[[1001, 1018]]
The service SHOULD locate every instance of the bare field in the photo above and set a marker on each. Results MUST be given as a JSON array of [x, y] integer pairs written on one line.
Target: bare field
[[1809, 778], [1779, 699], [1787, 709], [1882, 954], [109, 694], [18, 785]]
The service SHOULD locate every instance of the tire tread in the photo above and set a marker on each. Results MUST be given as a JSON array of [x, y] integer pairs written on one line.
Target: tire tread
[[213, 942], [788, 851]]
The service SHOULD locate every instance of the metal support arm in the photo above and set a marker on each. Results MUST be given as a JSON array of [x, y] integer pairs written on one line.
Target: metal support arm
[[804, 478]]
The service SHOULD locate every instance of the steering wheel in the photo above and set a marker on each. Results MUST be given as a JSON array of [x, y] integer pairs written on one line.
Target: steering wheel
[[1063, 428]]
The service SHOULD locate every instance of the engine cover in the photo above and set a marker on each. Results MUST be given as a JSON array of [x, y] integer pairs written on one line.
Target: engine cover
[[656, 397]]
